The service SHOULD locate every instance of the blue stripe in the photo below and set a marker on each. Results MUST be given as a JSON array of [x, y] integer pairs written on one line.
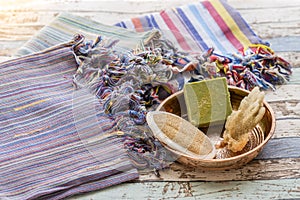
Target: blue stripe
[[192, 29], [123, 24], [153, 22], [149, 22], [287, 147], [196, 13], [118, 24]]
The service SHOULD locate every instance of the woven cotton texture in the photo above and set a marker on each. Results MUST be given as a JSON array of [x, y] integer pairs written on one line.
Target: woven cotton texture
[[199, 26], [65, 26], [42, 155], [196, 27]]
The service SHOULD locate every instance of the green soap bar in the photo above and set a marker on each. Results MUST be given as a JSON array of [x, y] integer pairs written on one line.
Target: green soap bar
[[207, 101]]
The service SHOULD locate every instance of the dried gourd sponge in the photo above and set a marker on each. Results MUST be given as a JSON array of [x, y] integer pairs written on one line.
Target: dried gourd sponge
[[180, 135], [207, 101]]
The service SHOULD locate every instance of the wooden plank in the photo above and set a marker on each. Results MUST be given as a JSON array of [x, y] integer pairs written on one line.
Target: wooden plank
[[138, 7], [269, 30], [295, 77], [135, 7], [283, 93], [285, 44], [281, 148], [18, 32], [266, 4], [266, 15], [255, 170], [270, 19], [271, 189], [287, 127], [286, 109], [8, 48], [285, 102], [4, 58]]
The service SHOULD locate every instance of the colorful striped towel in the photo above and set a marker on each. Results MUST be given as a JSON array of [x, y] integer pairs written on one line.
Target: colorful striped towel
[[42, 153], [234, 50], [195, 27], [199, 26], [65, 26]]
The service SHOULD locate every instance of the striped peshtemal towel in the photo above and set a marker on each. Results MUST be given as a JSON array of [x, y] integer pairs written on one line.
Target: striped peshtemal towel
[[65, 26], [196, 27], [42, 153], [199, 26]]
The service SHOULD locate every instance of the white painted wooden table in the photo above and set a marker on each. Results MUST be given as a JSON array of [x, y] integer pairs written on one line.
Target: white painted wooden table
[[275, 177]]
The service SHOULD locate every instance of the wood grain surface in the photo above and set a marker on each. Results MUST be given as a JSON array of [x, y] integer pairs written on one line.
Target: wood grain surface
[[274, 174], [272, 189]]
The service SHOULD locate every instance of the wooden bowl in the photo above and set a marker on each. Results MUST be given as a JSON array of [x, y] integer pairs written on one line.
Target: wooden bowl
[[176, 104]]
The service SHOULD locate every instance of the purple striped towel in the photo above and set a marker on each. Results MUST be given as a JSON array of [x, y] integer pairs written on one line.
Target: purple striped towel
[[42, 154]]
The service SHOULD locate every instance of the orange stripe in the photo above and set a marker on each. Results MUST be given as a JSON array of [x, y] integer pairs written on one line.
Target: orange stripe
[[137, 24]]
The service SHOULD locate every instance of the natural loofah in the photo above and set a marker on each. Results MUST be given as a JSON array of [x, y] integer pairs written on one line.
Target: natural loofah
[[242, 121], [180, 135]]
